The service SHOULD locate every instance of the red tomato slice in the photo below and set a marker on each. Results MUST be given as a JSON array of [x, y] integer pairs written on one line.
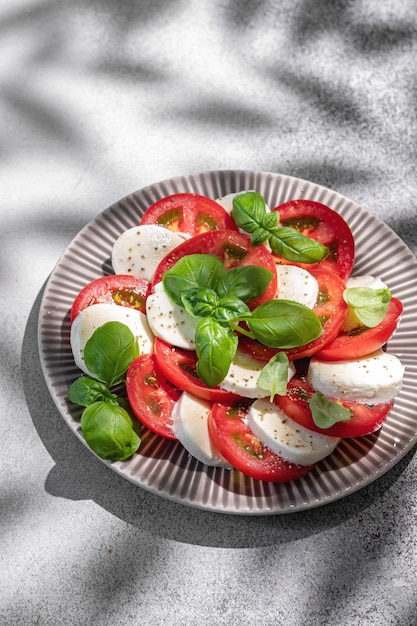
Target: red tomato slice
[[363, 341], [321, 223], [232, 248], [179, 367], [330, 308], [188, 213], [243, 450], [364, 421], [121, 289], [151, 396]]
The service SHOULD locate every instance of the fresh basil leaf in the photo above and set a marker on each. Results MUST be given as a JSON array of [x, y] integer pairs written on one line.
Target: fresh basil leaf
[[230, 308], [270, 220], [216, 346], [109, 432], [294, 246], [327, 412], [284, 324], [369, 305], [109, 352], [191, 272], [274, 376], [246, 282], [259, 236], [200, 302], [248, 210], [86, 390]]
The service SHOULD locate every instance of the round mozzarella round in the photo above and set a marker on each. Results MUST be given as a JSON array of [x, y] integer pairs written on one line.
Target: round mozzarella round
[[94, 316], [296, 283], [170, 322], [190, 415], [286, 438], [371, 379], [243, 374], [139, 250]]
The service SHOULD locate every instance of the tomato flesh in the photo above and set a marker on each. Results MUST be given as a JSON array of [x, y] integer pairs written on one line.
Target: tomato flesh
[[358, 343], [243, 450], [121, 289], [364, 421], [233, 249], [151, 396], [323, 224], [331, 310], [179, 367], [188, 213]]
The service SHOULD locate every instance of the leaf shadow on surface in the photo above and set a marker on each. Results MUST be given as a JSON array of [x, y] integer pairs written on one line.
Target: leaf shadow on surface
[[79, 475]]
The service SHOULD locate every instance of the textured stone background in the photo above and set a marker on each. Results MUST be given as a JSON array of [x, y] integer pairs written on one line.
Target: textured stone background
[[98, 99]]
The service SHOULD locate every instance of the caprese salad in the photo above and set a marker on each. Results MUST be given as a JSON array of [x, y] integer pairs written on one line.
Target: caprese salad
[[237, 330]]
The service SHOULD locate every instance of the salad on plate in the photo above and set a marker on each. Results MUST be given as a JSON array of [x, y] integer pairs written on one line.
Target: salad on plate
[[238, 330]]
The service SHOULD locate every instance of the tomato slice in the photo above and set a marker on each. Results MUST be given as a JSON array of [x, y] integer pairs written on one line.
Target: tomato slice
[[179, 367], [151, 396], [323, 224], [243, 450], [363, 341], [232, 248], [121, 289], [330, 308], [188, 213], [364, 421]]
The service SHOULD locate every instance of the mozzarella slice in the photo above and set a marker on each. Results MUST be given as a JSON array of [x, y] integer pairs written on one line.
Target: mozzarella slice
[[243, 374], [372, 379], [190, 415], [94, 316], [365, 281], [170, 322], [139, 250], [286, 438], [296, 283]]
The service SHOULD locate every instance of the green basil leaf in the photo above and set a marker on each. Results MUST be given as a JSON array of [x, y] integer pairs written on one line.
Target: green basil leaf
[[259, 236], [200, 302], [248, 210], [230, 308], [191, 272], [109, 432], [246, 282], [327, 412], [274, 376], [109, 352], [270, 220], [86, 390], [284, 324], [216, 346], [293, 246], [369, 305]]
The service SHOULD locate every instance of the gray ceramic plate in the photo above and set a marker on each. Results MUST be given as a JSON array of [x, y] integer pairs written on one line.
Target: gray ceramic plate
[[163, 467]]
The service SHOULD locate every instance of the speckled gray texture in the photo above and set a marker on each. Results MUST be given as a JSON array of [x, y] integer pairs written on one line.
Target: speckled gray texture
[[98, 99]]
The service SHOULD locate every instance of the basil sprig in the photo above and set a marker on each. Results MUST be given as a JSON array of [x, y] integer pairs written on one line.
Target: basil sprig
[[368, 305], [250, 214], [201, 284], [105, 422], [274, 375]]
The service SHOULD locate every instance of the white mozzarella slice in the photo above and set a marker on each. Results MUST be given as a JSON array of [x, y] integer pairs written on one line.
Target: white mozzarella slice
[[139, 250], [190, 415], [243, 374], [365, 281], [371, 379], [286, 438], [227, 201], [94, 316], [296, 283], [170, 322]]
